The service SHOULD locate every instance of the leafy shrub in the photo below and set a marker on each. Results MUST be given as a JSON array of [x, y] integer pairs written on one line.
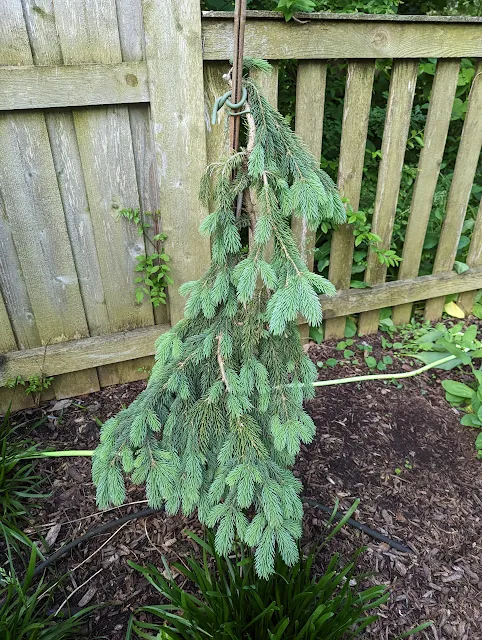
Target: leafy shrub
[[26, 609], [232, 603]]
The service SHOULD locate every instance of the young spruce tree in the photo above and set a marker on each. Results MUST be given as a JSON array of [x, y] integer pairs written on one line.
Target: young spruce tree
[[221, 420]]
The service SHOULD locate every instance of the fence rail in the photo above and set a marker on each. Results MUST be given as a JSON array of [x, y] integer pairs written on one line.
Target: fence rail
[[106, 105]]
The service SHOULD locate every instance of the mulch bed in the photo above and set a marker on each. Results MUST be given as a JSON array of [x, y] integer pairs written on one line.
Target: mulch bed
[[401, 450]]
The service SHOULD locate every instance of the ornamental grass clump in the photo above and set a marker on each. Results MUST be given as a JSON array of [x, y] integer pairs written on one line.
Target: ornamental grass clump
[[221, 421]]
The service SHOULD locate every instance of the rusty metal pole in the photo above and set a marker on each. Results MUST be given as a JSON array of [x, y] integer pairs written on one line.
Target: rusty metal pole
[[237, 72]]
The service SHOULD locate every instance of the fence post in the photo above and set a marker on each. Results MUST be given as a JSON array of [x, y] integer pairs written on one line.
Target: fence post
[[175, 72]]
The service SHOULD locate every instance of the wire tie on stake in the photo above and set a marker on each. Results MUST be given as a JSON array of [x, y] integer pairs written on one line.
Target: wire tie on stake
[[224, 99]]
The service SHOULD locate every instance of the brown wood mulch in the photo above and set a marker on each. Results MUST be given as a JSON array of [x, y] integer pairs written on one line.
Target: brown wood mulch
[[399, 448]]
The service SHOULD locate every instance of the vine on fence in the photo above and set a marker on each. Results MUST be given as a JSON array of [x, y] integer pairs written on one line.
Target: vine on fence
[[153, 269]]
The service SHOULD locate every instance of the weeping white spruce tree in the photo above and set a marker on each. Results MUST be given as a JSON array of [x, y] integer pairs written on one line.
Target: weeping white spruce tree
[[221, 420]]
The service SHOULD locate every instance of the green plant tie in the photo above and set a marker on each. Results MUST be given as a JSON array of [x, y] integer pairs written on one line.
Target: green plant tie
[[224, 99]]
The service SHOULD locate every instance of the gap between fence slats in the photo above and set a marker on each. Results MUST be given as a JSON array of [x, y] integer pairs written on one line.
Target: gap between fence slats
[[460, 189], [356, 113], [399, 108]]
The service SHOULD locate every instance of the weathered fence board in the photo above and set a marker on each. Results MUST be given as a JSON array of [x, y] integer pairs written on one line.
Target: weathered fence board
[[310, 106], [435, 135], [36, 218], [7, 337], [277, 40], [78, 355], [474, 259], [406, 291], [179, 133], [131, 34], [399, 108], [356, 112], [460, 189], [106, 152], [62, 86], [46, 50]]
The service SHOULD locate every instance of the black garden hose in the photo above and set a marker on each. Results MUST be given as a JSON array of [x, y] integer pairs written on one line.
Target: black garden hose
[[362, 527], [147, 512], [90, 534]]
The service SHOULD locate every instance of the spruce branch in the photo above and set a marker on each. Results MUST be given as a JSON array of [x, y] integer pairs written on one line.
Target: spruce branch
[[221, 421]]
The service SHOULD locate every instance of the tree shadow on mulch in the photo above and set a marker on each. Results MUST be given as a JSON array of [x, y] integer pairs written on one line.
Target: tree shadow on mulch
[[402, 451]]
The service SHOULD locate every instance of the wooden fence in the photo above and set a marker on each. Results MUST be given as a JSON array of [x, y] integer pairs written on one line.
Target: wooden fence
[[105, 105]]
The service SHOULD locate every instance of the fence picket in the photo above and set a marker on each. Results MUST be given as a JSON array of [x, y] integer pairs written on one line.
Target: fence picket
[[474, 259], [356, 112], [460, 189], [179, 134], [399, 109], [435, 135]]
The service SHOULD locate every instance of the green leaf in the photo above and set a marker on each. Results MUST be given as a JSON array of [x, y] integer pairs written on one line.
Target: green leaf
[[316, 334], [350, 328], [348, 353], [470, 420], [331, 362], [456, 388], [371, 362], [478, 441]]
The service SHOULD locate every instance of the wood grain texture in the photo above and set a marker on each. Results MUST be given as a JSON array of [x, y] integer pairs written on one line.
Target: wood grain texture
[[14, 294], [349, 17], [88, 33], [391, 293], [435, 135], [397, 122], [7, 337], [33, 87], [310, 106], [45, 49], [356, 113], [77, 355], [32, 202], [217, 135], [173, 33], [325, 39], [460, 189], [474, 259], [131, 34]]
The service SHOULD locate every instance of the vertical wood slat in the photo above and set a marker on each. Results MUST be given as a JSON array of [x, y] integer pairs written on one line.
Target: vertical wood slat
[[217, 136], [7, 337], [173, 37], [474, 259], [399, 109], [14, 290], [88, 32], [309, 111], [46, 50], [460, 189], [131, 33], [436, 129], [356, 114], [34, 210]]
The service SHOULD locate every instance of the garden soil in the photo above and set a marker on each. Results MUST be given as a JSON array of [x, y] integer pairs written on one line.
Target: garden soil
[[399, 448]]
